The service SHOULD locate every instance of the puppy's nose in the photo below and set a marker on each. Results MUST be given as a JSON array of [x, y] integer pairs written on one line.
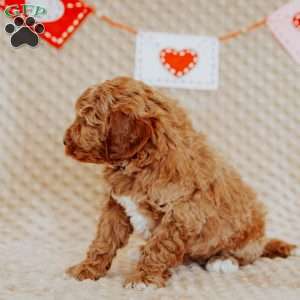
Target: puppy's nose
[[64, 141]]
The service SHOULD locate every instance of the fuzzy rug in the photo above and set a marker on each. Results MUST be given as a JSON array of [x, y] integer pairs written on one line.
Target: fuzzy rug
[[32, 268]]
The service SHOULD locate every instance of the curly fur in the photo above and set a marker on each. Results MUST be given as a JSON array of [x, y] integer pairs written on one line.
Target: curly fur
[[198, 205]]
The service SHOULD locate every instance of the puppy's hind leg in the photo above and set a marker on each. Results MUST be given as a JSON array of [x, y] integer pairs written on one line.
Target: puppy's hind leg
[[113, 233], [230, 261], [249, 253]]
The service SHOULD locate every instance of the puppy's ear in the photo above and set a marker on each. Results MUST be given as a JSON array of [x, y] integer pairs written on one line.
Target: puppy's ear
[[127, 135]]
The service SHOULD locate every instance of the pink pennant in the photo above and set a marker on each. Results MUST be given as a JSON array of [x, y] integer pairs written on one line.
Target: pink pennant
[[285, 25]]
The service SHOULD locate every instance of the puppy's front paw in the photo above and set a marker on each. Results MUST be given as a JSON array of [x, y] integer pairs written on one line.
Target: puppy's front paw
[[85, 270], [140, 281]]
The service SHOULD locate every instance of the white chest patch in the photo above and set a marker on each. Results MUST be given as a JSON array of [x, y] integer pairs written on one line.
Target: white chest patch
[[139, 222]]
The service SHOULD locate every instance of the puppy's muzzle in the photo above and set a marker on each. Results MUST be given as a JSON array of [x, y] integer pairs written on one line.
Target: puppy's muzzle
[[67, 141]]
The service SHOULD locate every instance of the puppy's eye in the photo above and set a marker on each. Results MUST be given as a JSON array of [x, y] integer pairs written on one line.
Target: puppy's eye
[[90, 122], [83, 110]]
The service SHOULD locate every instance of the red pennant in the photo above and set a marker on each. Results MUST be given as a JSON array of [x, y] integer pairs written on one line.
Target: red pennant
[[61, 22]]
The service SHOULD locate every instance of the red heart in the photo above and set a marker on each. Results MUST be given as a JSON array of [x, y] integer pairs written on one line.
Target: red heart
[[296, 20], [178, 63]]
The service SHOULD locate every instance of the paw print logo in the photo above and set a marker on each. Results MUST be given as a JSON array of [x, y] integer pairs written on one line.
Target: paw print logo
[[24, 31]]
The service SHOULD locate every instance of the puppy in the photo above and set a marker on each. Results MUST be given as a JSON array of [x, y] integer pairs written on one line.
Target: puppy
[[167, 184]]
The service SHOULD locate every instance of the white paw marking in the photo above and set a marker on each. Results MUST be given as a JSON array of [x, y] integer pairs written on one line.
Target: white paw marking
[[222, 266], [296, 251], [137, 286], [140, 222]]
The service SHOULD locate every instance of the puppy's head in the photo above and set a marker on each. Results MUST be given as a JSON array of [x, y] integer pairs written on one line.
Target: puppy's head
[[112, 122]]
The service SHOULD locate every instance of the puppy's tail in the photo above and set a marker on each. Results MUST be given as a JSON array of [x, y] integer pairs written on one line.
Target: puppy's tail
[[278, 248]]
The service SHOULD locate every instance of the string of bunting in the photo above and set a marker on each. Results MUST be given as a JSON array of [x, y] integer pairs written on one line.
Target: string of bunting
[[191, 61], [162, 59], [224, 38]]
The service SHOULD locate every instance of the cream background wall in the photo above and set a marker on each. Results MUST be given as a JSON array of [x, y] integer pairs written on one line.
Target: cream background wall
[[49, 204]]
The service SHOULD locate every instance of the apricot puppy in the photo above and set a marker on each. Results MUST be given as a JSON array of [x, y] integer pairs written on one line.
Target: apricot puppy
[[166, 183]]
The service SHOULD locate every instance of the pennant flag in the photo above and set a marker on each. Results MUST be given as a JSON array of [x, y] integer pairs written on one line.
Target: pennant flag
[[285, 25], [61, 18], [179, 61]]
